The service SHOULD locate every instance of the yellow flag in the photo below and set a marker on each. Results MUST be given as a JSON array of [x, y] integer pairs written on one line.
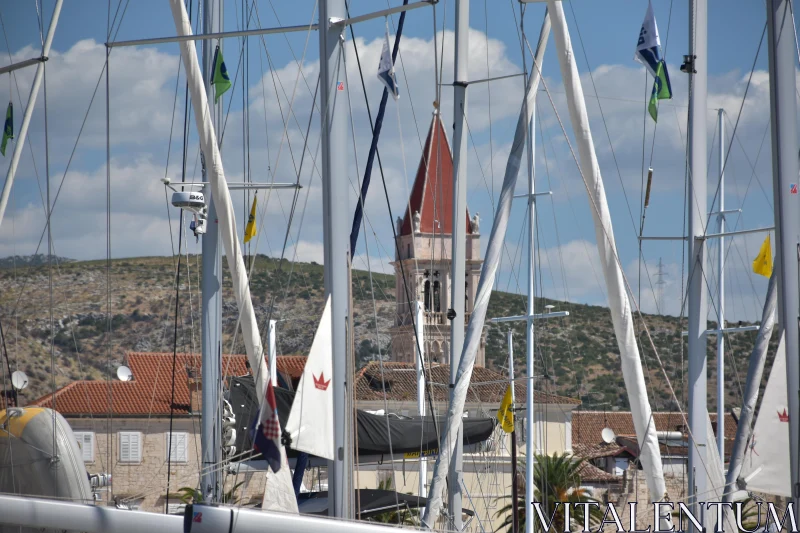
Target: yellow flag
[[250, 229], [506, 412], [762, 264]]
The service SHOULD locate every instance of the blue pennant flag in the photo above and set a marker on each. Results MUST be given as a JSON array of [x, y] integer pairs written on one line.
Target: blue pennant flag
[[648, 53], [386, 68]]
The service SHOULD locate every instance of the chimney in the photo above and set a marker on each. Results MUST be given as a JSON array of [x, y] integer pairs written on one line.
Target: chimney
[[195, 384]]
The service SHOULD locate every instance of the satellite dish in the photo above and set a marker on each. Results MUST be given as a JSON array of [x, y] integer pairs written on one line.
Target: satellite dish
[[19, 380], [124, 373], [608, 435]]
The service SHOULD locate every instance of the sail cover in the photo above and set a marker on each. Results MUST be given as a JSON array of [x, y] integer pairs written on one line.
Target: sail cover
[[282, 480], [766, 461], [406, 436], [310, 421], [618, 301]]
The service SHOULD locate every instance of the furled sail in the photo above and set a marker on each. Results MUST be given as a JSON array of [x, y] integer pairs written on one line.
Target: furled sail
[[310, 423], [621, 315], [227, 229], [472, 337], [755, 370], [766, 462]]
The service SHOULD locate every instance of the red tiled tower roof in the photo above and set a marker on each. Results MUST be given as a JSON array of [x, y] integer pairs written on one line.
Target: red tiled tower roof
[[432, 193]]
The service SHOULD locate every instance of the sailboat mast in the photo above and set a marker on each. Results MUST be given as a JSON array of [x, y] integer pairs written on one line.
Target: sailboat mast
[[336, 237], [456, 313], [26, 117], [721, 295], [211, 323], [697, 68], [782, 89]]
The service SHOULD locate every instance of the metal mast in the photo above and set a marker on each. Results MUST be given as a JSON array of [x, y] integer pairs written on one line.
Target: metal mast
[[336, 237], [210, 440], [721, 295], [697, 67], [782, 59], [456, 313]]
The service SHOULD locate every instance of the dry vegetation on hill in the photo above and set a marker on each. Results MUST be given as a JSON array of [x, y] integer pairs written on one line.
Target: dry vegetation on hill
[[577, 355]]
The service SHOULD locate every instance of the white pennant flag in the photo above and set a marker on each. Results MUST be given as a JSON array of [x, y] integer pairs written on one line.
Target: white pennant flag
[[386, 68], [310, 421]]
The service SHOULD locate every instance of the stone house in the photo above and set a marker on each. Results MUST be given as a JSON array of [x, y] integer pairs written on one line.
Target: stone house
[[123, 428]]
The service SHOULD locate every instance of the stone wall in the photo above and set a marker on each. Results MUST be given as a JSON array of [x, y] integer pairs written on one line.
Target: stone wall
[[144, 484]]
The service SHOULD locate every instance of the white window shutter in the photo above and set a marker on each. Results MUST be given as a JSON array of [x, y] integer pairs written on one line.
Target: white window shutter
[[177, 447], [130, 447], [86, 443]]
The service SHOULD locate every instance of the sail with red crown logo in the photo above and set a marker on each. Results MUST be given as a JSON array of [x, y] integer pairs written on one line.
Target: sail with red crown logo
[[310, 423], [766, 461]]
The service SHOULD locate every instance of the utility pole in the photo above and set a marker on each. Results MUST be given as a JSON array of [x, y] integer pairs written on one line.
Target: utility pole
[[660, 283]]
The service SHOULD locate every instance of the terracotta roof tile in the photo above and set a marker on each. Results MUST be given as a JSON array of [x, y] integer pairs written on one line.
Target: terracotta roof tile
[[587, 425], [432, 192], [596, 451], [591, 474], [400, 380], [150, 391]]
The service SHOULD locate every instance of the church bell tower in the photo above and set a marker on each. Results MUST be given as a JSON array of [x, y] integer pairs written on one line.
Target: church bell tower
[[423, 254]]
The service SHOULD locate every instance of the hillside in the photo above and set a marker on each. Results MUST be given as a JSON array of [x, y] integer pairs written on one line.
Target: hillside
[[579, 351]]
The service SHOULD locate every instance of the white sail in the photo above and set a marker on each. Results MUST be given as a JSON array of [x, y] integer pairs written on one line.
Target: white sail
[[766, 460], [227, 229], [310, 421], [618, 303], [472, 337], [755, 370]]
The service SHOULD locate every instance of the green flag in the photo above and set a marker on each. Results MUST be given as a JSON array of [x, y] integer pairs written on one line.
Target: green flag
[[8, 129], [220, 79], [661, 89]]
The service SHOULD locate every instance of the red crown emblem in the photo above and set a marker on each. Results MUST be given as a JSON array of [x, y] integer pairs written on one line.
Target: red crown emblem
[[784, 416], [320, 382]]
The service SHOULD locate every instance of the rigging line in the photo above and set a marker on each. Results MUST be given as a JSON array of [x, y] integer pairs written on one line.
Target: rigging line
[[405, 77], [752, 164], [369, 268], [739, 115], [489, 91], [602, 116], [174, 360], [376, 128]]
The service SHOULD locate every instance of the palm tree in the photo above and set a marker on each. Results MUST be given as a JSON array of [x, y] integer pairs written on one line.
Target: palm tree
[[406, 517], [557, 480]]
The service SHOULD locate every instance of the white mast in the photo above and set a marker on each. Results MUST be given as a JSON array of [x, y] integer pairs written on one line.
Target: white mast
[[26, 118], [211, 321], [698, 299], [336, 229], [721, 295], [419, 321], [456, 313], [783, 109]]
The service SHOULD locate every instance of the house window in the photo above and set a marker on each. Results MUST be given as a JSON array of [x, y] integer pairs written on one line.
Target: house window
[[408, 250], [86, 444], [176, 508], [177, 447], [130, 447]]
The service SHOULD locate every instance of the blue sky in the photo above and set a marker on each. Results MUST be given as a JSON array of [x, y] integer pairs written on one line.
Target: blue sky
[[143, 82]]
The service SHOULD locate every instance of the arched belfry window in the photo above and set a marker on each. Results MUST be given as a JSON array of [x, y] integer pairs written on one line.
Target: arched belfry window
[[437, 300], [427, 293]]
